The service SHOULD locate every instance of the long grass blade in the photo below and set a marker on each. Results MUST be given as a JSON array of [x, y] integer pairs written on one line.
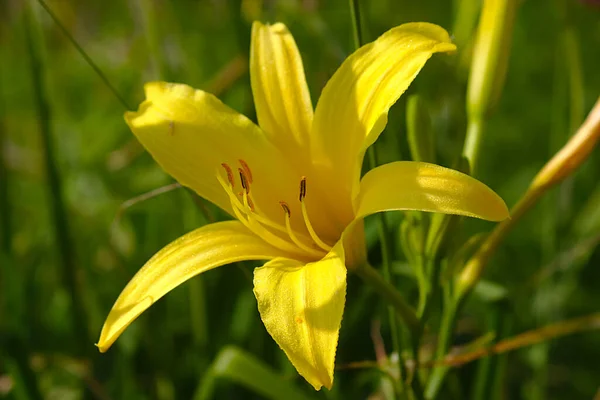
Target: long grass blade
[[58, 208]]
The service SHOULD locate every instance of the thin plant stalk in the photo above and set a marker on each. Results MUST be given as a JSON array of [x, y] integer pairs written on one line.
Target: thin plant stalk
[[58, 207], [382, 227], [565, 162], [151, 33], [5, 212], [438, 375], [529, 338], [85, 56]]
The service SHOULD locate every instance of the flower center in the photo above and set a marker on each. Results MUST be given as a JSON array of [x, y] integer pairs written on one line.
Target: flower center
[[249, 213]]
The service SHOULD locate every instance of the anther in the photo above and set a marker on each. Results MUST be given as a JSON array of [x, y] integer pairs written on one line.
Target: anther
[[302, 188], [229, 174], [250, 203], [246, 169], [290, 231], [244, 180], [286, 208]]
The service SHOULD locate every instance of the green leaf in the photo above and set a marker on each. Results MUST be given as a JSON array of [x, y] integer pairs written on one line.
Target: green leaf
[[244, 369]]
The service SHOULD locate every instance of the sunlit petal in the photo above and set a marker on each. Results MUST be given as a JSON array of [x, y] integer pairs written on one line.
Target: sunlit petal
[[408, 185], [203, 249], [281, 96], [301, 307], [190, 133], [352, 110]]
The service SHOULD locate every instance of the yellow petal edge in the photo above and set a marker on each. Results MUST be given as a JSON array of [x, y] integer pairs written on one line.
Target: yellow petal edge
[[302, 307], [196, 252], [409, 185], [352, 110]]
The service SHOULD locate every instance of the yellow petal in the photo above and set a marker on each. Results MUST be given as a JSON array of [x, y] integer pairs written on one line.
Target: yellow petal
[[198, 251], [352, 110], [301, 307], [190, 133], [408, 185], [281, 96]]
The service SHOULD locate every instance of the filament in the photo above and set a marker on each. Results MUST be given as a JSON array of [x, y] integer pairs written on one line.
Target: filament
[[309, 226], [291, 233]]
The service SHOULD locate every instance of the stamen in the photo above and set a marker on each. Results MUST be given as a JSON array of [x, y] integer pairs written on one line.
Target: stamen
[[302, 188], [251, 223], [260, 231], [285, 207], [309, 226], [244, 180], [246, 170], [291, 233], [250, 202], [247, 201], [229, 174], [171, 128], [245, 212]]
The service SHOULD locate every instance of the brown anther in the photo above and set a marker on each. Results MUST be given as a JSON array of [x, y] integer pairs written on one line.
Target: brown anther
[[250, 203], [171, 128], [244, 180], [286, 208], [302, 188], [229, 174], [246, 170]]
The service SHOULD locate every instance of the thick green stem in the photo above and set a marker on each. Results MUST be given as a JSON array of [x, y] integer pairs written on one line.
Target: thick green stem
[[473, 142]]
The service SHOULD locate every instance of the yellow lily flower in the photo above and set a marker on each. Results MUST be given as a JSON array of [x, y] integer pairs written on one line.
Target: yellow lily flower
[[292, 183]]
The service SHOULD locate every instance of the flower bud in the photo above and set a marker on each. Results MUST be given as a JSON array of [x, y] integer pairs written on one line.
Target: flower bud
[[490, 56]]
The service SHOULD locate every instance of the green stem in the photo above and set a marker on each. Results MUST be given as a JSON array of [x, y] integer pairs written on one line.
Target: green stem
[[474, 267], [58, 207], [473, 142], [404, 311], [486, 366], [389, 292], [382, 226], [356, 25], [5, 212], [438, 374], [152, 35], [85, 56]]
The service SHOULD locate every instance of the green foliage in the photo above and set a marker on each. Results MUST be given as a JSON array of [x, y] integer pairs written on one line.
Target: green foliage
[[68, 162]]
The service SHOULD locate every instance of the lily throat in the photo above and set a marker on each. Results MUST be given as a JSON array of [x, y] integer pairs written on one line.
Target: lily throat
[[280, 234]]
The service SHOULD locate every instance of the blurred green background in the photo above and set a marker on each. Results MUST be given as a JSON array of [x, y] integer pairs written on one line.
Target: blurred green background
[[68, 245]]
